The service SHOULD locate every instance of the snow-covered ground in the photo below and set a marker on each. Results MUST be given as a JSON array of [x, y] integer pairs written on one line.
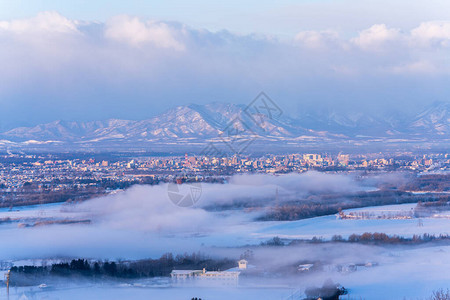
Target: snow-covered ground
[[120, 293], [328, 226], [401, 274], [409, 272], [55, 210], [105, 240]]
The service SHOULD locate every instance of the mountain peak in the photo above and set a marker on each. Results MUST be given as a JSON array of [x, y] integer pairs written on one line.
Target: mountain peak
[[434, 120], [205, 122]]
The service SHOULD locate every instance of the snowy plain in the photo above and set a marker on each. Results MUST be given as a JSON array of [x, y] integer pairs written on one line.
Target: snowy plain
[[400, 272]]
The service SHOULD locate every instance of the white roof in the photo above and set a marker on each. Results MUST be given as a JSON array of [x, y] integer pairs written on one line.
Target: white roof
[[222, 272], [185, 272]]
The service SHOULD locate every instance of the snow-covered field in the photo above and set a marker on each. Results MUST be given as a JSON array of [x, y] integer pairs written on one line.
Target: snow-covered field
[[120, 293], [328, 226], [401, 274], [235, 232], [409, 272]]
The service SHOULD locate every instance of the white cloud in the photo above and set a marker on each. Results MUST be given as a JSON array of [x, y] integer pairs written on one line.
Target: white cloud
[[147, 208], [64, 63], [375, 37], [317, 39], [135, 32], [417, 67], [49, 22], [435, 32]]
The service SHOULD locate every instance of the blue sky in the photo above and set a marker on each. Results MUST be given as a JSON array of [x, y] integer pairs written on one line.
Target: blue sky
[[88, 60], [246, 16]]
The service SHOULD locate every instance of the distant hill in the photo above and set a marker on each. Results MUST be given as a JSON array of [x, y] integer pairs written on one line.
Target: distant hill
[[202, 123]]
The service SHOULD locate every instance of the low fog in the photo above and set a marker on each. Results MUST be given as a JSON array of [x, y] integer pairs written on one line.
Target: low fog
[[149, 208], [142, 221]]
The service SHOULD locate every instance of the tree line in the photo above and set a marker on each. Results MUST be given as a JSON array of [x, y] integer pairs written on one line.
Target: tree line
[[126, 269], [377, 238]]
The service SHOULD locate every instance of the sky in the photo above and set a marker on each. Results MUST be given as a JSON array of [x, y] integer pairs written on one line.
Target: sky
[[94, 60]]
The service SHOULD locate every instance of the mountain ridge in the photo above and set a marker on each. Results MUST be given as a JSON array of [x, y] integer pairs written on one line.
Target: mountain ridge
[[209, 121]]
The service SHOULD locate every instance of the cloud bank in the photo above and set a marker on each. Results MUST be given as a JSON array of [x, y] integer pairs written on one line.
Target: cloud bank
[[130, 67], [142, 221], [149, 208]]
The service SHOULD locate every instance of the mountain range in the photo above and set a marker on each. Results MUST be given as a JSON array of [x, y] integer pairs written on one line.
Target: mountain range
[[204, 123]]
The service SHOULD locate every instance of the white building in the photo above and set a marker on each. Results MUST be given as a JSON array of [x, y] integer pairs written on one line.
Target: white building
[[242, 264], [184, 274], [205, 277], [227, 277], [305, 267]]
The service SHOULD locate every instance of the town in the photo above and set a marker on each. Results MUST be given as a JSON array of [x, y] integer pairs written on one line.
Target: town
[[44, 178]]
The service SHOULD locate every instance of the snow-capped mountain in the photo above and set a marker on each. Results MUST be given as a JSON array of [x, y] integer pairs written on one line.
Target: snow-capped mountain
[[206, 122], [192, 121], [435, 120], [353, 123]]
